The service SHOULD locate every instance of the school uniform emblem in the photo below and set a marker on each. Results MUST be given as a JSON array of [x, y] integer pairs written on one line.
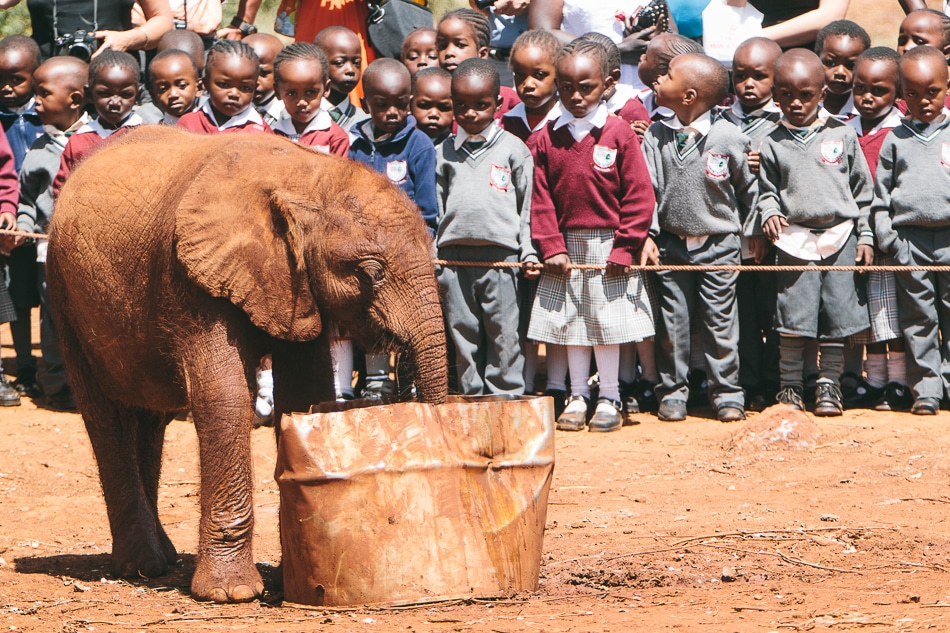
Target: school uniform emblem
[[499, 178], [831, 152], [945, 154], [397, 171], [604, 157], [717, 166]]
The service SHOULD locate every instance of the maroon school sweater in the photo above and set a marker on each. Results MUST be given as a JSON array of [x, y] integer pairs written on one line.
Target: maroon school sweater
[[871, 146], [199, 121], [79, 147], [334, 139], [633, 110], [509, 99], [601, 182]]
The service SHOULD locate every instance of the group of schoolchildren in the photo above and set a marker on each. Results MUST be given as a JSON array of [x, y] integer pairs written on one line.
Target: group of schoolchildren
[[543, 200]]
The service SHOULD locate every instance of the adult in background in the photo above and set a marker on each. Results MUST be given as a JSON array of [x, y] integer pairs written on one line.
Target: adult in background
[[509, 19], [109, 21], [795, 23]]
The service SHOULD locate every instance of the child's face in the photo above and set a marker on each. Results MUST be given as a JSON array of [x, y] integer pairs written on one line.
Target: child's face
[[875, 87], [114, 90], [58, 100], [266, 52], [232, 81], [301, 87], [671, 88], [456, 42], [752, 76], [343, 53], [474, 102], [921, 28], [924, 87], [173, 85], [838, 55], [419, 51], [581, 84], [16, 79], [387, 99], [652, 63], [799, 89], [432, 105], [534, 75]]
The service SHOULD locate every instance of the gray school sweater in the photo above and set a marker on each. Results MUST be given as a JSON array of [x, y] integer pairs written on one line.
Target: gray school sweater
[[816, 182], [36, 184], [913, 182], [706, 190], [485, 198]]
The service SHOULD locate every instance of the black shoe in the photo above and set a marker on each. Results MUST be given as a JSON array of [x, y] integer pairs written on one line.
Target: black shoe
[[672, 410], [627, 397], [698, 387], [828, 401], [791, 396], [574, 416], [644, 392], [25, 383], [861, 395], [378, 389], [925, 406], [606, 416], [896, 398], [63, 400], [560, 399], [9, 396], [730, 412]]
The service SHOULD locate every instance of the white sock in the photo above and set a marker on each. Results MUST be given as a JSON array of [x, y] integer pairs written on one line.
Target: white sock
[[628, 363], [646, 355], [264, 404], [578, 360], [897, 368], [341, 350], [877, 369], [608, 361], [530, 366], [697, 358], [556, 358]]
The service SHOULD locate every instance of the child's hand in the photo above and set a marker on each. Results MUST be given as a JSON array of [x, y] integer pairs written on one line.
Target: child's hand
[[649, 254], [759, 247], [8, 221], [773, 227], [532, 270], [753, 160], [640, 127], [616, 269], [865, 256], [558, 265]]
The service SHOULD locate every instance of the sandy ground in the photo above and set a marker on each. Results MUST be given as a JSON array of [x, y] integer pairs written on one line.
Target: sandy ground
[[839, 524]]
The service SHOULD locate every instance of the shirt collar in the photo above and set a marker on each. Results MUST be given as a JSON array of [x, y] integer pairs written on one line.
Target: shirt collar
[[622, 94], [648, 99], [25, 108], [247, 115], [936, 123], [769, 108], [519, 112], [823, 116], [94, 125], [847, 111], [701, 124], [346, 106], [275, 109], [60, 137], [488, 133], [322, 121], [891, 120], [580, 128]]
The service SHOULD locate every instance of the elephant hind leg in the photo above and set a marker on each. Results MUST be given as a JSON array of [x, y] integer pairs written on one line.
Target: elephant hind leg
[[151, 439]]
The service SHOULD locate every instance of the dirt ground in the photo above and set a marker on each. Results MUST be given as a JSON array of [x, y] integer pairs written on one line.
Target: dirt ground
[[834, 524]]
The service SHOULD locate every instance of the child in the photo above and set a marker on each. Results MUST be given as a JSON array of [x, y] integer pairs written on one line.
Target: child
[[532, 60], [230, 79], [621, 99], [266, 101], [815, 191], [876, 86], [300, 74], [924, 27], [19, 57], [592, 204], [654, 62], [483, 182], [390, 143], [173, 84], [60, 96], [419, 50], [113, 90], [463, 34], [187, 41], [342, 48], [912, 224], [756, 115], [838, 45], [432, 103], [704, 190]]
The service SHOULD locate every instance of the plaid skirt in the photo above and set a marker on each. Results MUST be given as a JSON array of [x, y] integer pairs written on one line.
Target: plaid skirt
[[7, 311], [882, 306], [587, 307]]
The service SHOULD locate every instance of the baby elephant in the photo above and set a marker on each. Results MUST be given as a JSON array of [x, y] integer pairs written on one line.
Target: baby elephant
[[175, 262]]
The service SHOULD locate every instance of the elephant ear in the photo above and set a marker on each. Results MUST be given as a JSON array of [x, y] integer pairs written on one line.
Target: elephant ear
[[238, 238]]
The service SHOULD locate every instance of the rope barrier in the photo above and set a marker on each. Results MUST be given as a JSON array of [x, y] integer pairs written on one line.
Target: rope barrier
[[16, 233]]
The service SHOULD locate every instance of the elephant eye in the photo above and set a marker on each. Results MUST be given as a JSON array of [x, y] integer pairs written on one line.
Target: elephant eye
[[372, 269]]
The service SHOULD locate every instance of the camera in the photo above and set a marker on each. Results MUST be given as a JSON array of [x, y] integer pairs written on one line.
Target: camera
[[484, 4], [654, 14], [81, 44]]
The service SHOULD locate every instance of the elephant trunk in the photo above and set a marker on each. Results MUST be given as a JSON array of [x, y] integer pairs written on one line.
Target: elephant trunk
[[426, 353]]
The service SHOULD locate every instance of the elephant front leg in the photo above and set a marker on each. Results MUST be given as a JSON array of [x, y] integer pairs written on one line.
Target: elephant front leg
[[220, 390]]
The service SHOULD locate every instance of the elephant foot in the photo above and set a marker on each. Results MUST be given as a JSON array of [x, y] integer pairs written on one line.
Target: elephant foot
[[226, 581], [140, 561], [168, 548]]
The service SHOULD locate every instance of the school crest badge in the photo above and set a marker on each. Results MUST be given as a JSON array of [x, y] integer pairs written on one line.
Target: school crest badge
[[717, 166], [397, 171], [831, 152], [604, 157], [945, 154], [499, 178]]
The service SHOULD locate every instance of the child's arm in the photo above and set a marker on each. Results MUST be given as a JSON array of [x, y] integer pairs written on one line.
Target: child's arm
[[544, 225], [637, 204], [522, 175], [9, 186], [65, 166], [880, 214], [862, 187], [422, 171], [745, 183], [768, 208]]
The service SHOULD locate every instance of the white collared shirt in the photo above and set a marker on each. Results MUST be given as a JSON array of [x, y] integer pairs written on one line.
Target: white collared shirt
[[622, 94], [701, 125], [23, 109], [61, 137], [823, 115], [487, 133], [847, 111], [936, 123], [649, 102], [520, 112], [247, 115], [580, 128], [94, 125], [891, 120], [741, 115], [275, 109], [321, 121]]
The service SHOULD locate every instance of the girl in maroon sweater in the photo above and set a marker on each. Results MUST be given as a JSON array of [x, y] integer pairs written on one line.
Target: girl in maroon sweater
[[592, 204]]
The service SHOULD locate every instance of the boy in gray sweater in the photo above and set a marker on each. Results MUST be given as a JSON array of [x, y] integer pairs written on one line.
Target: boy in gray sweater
[[911, 217], [483, 184], [815, 192], [704, 192]]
